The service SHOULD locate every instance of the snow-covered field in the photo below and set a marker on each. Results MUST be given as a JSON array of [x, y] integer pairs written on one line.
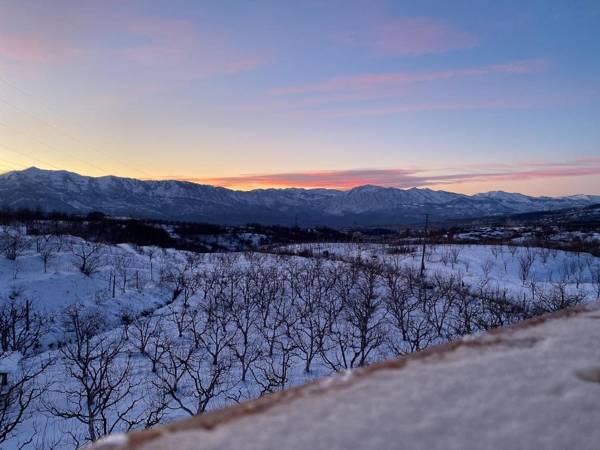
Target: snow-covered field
[[151, 335]]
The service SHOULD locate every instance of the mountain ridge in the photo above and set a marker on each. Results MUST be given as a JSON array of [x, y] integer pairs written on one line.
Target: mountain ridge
[[64, 191]]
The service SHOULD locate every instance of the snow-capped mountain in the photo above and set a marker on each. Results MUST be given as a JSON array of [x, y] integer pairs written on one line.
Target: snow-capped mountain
[[179, 200]]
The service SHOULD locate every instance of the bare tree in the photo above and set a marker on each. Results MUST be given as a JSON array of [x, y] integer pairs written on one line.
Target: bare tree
[[404, 312], [206, 381], [13, 242], [157, 346], [170, 368], [454, 255], [360, 329], [99, 390], [466, 313], [245, 314], [122, 265], [181, 279], [21, 325], [143, 329], [212, 330], [272, 374], [181, 318], [88, 256], [526, 260], [312, 286], [17, 397], [558, 297], [47, 248], [487, 266]]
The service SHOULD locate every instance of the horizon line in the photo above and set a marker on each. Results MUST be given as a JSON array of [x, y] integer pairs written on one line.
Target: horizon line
[[198, 182]]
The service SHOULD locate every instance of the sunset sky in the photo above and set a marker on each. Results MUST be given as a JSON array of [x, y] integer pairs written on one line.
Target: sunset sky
[[465, 96]]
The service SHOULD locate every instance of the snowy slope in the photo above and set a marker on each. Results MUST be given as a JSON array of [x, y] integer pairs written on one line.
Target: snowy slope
[[534, 386], [62, 286]]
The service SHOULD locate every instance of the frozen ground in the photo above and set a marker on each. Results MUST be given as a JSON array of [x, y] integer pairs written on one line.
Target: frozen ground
[[143, 289], [531, 387]]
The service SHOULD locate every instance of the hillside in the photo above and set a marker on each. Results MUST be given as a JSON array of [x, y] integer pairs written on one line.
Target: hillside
[[184, 333], [178, 200]]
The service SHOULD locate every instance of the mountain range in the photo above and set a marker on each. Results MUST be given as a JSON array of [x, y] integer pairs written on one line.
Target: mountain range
[[69, 192]]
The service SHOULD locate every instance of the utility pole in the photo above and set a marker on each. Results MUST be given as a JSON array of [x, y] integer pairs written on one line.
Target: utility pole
[[424, 246]]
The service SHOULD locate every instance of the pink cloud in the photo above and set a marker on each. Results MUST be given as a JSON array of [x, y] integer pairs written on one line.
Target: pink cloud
[[440, 106], [34, 48], [178, 44], [376, 80], [39, 37], [409, 36], [410, 177], [415, 36], [169, 54]]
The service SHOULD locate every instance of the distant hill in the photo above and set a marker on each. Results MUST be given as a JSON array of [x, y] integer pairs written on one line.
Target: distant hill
[[180, 200]]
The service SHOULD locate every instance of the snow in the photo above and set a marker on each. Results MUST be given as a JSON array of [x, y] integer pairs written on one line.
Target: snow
[[524, 388], [9, 362], [111, 441], [478, 265], [60, 190]]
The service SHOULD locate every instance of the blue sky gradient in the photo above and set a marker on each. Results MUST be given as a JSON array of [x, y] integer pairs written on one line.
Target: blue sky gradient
[[464, 96]]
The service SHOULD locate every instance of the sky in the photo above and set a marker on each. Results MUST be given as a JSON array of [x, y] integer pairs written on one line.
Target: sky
[[465, 96]]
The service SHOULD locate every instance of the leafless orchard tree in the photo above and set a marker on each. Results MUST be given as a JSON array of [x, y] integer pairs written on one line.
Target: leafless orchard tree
[[526, 260], [18, 397], [498, 309], [272, 374], [245, 316], [157, 344], [359, 331], [212, 329], [98, 391], [181, 318], [558, 297], [121, 264], [467, 312], [142, 330], [276, 310], [182, 278], [205, 381], [487, 265], [404, 313], [89, 256], [21, 325], [13, 242], [311, 286], [454, 255], [47, 247], [437, 294], [495, 250], [170, 368], [186, 378]]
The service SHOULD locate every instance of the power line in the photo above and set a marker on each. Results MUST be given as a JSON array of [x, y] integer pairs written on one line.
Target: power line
[[57, 128], [46, 163], [52, 147], [12, 164]]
